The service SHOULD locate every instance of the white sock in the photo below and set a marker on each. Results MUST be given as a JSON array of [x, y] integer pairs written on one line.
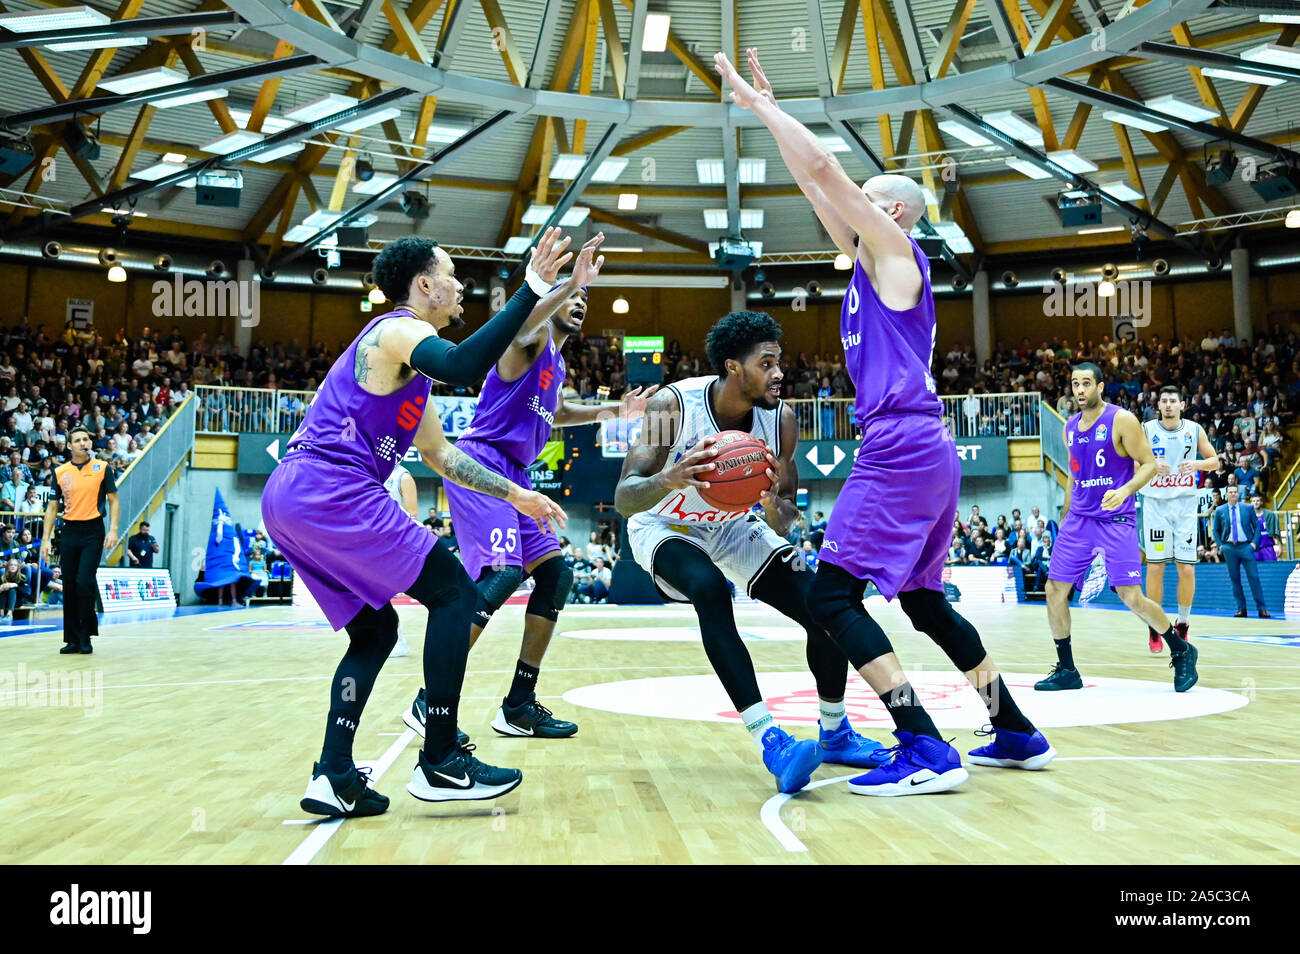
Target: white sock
[[757, 720], [832, 714], [1184, 613]]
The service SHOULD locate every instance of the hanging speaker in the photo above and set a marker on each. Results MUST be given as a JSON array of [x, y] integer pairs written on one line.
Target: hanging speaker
[[52, 250], [1160, 267]]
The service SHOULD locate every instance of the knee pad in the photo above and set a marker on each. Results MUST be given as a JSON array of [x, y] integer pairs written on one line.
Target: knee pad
[[953, 633], [495, 584], [833, 604], [552, 582]]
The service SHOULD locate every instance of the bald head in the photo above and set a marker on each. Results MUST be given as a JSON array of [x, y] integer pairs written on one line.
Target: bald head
[[898, 196]]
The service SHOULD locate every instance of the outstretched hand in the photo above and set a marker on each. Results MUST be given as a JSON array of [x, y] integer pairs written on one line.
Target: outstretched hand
[[761, 82], [742, 93], [549, 255], [587, 268], [635, 402]]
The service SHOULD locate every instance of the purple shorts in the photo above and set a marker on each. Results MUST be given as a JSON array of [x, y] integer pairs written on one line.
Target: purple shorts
[[349, 541], [489, 531], [892, 522], [1082, 538]]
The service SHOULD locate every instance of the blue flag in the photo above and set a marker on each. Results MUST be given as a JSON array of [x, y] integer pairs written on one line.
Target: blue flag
[[227, 560]]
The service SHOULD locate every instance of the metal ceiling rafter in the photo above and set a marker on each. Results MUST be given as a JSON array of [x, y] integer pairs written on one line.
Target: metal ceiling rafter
[[99, 60], [1140, 218], [547, 31], [361, 20], [635, 39], [688, 59], [876, 70], [504, 41], [412, 44], [1049, 25], [490, 127], [816, 43], [175, 24], [1250, 99], [1042, 112], [650, 231], [453, 25], [730, 134], [1202, 57]]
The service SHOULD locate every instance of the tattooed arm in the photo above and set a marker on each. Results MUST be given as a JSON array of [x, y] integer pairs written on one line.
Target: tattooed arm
[[458, 467]]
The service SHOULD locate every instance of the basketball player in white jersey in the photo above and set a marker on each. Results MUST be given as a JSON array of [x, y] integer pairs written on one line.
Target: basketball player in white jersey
[[691, 548], [401, 487], [1169, 504]]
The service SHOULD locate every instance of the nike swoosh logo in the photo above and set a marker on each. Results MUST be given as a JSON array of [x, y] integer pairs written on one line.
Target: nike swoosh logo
[[347, 806], [462, 782], [914, 781]]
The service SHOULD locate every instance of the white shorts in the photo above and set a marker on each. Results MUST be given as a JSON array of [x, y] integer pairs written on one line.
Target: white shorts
[[742, 549], [1169, 529]]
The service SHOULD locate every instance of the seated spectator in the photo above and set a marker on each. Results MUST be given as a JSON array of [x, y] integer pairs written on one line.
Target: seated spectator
[[596, 590], [1042, 561], [1001, 547], [809, 555], [981, 549], [13, 591], [257, 568], [54, 588]]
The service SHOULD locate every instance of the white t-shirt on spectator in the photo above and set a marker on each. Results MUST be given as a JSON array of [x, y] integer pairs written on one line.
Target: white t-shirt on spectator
[[120, 443]]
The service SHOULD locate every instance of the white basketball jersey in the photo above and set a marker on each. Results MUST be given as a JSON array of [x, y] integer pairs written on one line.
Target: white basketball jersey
[[394, 483], [697, 423], [1172, 448]]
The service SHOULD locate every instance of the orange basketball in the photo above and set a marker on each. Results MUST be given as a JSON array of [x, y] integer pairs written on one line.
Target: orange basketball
[[739, 476]]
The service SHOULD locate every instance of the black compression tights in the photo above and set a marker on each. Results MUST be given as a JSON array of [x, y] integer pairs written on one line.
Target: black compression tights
[[689, 570], [784, 587]]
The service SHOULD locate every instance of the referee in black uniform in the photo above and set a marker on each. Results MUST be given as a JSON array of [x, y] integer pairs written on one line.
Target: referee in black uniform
[[81, 487]]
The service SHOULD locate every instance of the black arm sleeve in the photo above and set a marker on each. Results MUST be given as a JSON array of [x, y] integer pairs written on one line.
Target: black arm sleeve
[[469, 362]]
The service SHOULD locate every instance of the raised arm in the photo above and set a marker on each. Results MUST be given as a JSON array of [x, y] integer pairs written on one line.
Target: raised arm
[[632, 407]]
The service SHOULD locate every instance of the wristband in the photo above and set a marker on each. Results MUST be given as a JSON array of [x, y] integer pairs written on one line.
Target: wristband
[[538, 284]]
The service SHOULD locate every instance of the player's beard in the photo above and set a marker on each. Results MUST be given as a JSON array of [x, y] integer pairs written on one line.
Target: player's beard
[[456, 321]]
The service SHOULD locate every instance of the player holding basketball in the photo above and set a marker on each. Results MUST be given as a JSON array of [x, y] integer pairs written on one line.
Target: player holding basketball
[[690, 547], [1169, 502], [520, 402], [887, 327], [352, 544], [1110, 460]]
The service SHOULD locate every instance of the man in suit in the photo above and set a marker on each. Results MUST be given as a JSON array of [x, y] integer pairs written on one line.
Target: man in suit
[[1236, 528]]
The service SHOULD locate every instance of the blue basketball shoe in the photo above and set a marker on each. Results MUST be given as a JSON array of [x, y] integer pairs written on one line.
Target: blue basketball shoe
[[1012, 749], [846, 747], [920, 765], [791, 760]]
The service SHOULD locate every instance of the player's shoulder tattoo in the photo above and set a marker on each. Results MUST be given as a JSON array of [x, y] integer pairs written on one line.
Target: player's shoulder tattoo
[[361, 365]]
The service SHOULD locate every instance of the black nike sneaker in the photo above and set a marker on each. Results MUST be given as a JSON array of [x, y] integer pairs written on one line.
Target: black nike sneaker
[[1060, 678], [1184, 666], [348, 795], [70, 649], [416, 716], [531, 718], [461, 777]]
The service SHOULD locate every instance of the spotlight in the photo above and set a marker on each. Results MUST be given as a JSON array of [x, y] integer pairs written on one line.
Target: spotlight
[[365, 170], [1105, 288], [814, 288], [843, 263], [1293, 219], [117, 274], [767, 290], [163, 263], [51, 250], [376, 296], [107, 256], [1219, 166], [1214, 263], [15, 154], [216, 267], [414, 205], [1278, 181], [1009, 279], [320, 276], [1160, 267], [1059, 275], [1078, 209], [81, 141], [1109, 271]]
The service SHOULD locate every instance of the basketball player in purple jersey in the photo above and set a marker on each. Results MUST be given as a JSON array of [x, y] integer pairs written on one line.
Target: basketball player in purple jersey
[[353, 545], [519, 404], [1110, 461], [899, 542]]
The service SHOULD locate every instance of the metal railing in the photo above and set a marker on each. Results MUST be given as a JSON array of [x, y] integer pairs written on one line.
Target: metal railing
[[149, 472], [1287, 484], [993, 415], [1051, 431], [825, 419], [226, 410]]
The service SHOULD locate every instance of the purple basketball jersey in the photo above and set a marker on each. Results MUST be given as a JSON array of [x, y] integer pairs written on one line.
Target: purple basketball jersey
[[516, 417], [348, 425], [1097, 467], [887, 352]]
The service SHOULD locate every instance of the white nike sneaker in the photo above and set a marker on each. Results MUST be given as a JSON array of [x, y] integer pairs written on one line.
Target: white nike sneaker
[[342, 796], [461, 777], [402, 648]]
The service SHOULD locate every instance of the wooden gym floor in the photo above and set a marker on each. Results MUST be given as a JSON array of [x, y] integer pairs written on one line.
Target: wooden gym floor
[[192, 744]]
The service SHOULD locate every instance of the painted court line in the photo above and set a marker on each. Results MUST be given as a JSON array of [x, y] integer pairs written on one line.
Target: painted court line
[[325, 830], [770, 813]]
